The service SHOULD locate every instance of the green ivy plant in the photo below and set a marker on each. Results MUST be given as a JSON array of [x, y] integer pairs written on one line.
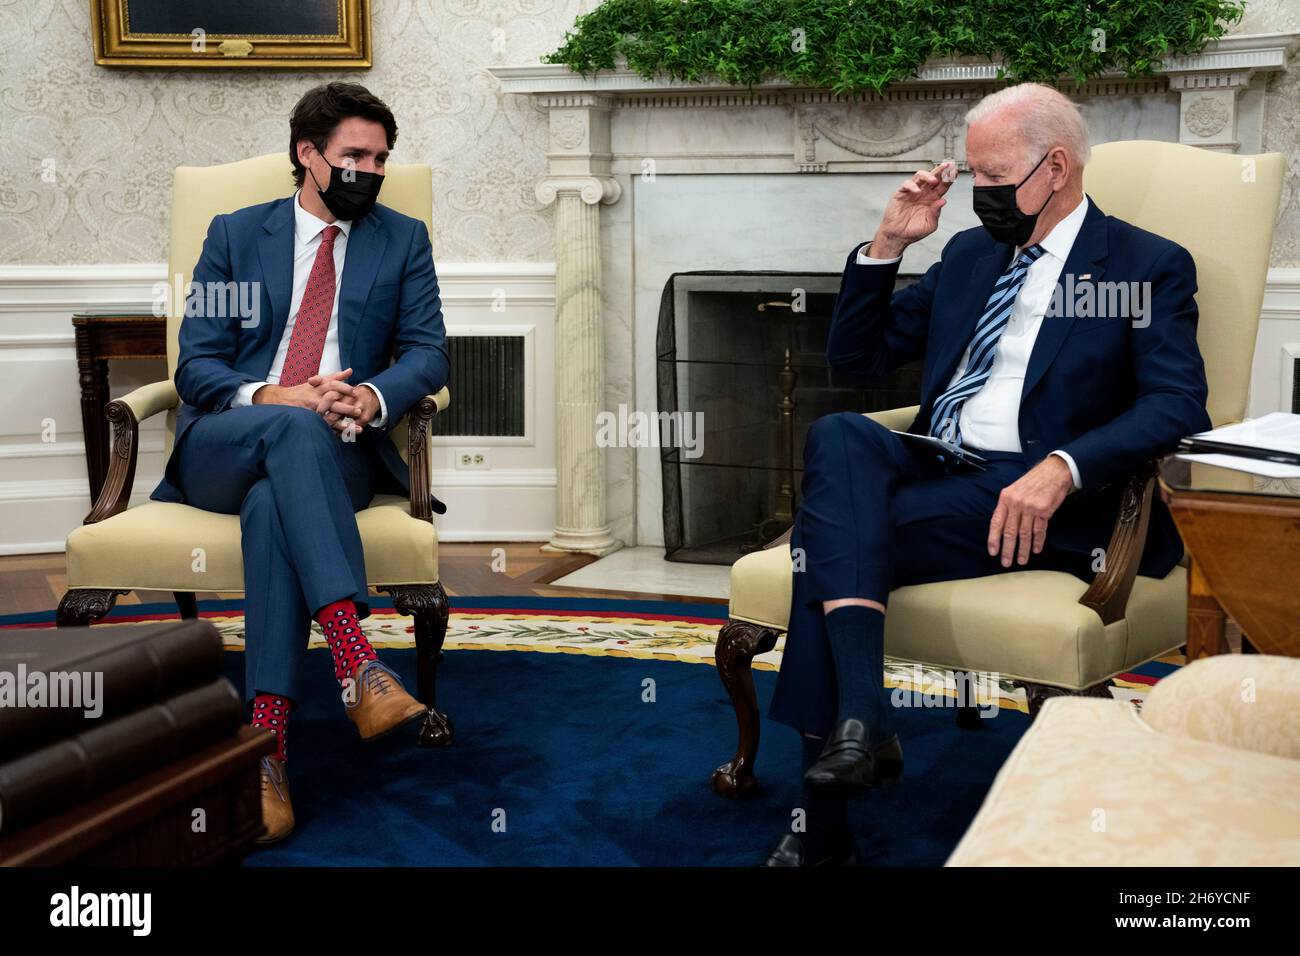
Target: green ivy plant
[[858, 45]]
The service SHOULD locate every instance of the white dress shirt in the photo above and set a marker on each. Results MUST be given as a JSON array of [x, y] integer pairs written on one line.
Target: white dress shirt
[[990, 419], [307, 236]]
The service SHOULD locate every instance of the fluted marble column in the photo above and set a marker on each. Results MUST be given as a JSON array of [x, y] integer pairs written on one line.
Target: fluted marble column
[[579, 373], [578, 184]]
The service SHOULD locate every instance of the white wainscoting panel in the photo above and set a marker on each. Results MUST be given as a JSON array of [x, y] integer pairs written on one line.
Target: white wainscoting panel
[[43, 484], [1278, 345]]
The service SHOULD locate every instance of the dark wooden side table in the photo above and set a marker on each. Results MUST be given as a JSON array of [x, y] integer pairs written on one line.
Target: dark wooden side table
[[101, 336], [1243, 535]]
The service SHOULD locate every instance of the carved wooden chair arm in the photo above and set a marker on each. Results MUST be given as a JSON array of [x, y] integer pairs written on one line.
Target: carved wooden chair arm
[[1109, 591], [124, 417], [417, 448]]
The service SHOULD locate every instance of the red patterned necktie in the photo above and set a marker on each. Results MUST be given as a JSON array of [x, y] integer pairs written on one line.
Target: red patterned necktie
[[302, 360]]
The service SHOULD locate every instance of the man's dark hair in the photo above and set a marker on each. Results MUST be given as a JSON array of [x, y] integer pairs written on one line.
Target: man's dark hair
[[322, 108]]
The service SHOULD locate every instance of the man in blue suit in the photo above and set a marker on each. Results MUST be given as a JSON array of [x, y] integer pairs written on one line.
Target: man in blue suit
[[1058, 344], [288, 403]]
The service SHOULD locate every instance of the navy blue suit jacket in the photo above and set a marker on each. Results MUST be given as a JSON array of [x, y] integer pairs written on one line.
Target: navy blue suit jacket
[[1108, 393], [390, 319]]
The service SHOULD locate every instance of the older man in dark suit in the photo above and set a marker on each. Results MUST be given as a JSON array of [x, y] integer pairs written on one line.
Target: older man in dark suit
[[1046, 408]]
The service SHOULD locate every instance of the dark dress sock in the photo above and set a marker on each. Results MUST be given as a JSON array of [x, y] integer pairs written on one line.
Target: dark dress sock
[[826, 818], [857, 638]]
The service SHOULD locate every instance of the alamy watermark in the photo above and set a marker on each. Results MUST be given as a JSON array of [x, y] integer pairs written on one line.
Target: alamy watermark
[[74, 908], [1082, 297], [76, 690], [624, 429], [950, 689], [222, 300]]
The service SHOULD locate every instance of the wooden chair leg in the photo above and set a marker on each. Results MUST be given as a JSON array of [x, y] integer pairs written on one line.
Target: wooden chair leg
[[82, 606], [187, 604], [427, 603], [1039, 694], [739, 642]]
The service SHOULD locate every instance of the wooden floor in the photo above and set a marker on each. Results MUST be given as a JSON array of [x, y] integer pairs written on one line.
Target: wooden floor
[[31, 583]]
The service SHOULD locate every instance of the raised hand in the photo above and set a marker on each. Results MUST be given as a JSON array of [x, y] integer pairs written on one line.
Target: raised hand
[[913, 211]]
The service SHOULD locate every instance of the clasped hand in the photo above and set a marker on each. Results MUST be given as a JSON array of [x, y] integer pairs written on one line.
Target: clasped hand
[[345, 407]]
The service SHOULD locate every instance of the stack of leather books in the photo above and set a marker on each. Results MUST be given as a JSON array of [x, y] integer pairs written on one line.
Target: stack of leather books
[[84, 711]]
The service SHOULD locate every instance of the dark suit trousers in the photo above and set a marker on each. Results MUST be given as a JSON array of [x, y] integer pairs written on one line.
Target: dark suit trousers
[[875, 515], [296, 487]]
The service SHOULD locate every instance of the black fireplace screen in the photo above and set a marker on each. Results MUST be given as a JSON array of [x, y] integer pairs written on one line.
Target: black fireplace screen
[[741, 375]]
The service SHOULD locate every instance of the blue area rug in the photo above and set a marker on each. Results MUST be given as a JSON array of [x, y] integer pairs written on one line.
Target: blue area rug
[[554, 740], [583, 772]]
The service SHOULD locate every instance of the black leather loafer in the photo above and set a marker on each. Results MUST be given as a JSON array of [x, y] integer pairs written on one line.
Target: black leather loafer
[[790, 852], [848, 766]]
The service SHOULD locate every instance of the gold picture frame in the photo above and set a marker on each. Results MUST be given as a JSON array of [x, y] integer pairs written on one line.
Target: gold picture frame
[[118, 45]]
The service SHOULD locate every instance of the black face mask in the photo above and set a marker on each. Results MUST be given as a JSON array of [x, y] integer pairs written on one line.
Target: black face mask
[[351, 193], [997, 210]]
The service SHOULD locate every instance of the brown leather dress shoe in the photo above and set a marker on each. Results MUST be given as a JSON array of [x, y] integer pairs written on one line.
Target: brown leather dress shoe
[[382, 703], [277, 811]]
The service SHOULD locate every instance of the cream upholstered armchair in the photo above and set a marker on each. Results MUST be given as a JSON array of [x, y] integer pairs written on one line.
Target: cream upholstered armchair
[[1048, 630], [151, 546]]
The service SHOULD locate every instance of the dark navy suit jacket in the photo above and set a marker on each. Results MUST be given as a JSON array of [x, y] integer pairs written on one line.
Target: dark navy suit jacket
[[1108, 393], [390, 319]]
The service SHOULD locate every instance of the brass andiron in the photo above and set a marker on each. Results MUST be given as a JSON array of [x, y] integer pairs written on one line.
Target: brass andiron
[[783, 513]]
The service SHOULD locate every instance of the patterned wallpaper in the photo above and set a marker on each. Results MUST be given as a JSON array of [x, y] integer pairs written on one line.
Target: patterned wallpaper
[[86, 153], [1282, 129]]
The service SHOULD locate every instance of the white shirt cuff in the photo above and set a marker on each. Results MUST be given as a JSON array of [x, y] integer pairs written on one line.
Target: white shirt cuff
[[1074, 469], [379, 420], [866, 260], [245, 394]]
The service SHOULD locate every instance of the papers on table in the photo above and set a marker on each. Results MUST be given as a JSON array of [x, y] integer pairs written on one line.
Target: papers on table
[[1268, 446], [1254, 466]]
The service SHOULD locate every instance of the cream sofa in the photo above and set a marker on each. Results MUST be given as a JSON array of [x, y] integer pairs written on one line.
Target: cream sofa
[[1208, 774]]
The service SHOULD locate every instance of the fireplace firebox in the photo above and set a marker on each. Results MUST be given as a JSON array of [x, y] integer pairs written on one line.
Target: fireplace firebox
[[741, 374]]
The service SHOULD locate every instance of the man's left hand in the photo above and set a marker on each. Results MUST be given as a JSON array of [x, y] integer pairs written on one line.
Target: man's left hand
[[1019, 523], [353, 411]]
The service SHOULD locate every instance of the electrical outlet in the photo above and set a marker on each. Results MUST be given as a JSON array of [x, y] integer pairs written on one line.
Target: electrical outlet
[[473, 458]]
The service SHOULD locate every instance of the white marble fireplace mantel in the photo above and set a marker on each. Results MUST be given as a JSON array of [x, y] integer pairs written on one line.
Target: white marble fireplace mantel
[[652, 177]]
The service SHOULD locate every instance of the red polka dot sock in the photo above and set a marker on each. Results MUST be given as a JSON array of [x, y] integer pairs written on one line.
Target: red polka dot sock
[[343, 634], [271, 711]]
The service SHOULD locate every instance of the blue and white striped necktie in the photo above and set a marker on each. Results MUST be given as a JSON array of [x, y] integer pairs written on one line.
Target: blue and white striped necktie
[[945, 419]]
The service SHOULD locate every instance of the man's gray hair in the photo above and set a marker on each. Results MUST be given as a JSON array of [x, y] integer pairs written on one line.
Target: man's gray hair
[[1043, 117]]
